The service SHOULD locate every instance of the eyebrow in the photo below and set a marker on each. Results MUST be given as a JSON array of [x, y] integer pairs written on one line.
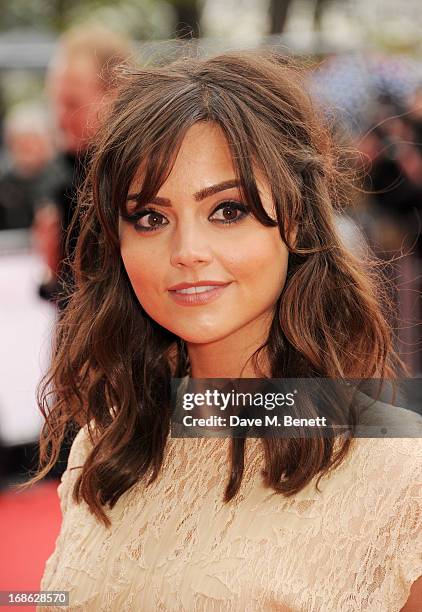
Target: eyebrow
[[200, 195]]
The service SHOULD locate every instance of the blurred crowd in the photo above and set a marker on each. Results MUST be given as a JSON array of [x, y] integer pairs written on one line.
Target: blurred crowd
[[46, 150], [390, 209], [42, 166], [393, 159]]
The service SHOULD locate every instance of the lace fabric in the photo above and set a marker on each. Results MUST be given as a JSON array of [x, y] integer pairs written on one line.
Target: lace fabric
[[354, 545]]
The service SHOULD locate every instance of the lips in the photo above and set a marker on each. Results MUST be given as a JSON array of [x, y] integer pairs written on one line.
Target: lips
[[195, 294], [198, 289], [197, 284]]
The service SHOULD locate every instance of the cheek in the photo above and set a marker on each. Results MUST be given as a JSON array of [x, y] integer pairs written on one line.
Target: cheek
[[262, 263], [142, 270]]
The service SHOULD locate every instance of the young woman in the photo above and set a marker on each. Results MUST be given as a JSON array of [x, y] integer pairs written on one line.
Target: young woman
[[220, 174]]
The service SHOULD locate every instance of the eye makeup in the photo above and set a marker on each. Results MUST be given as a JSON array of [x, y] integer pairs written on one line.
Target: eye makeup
[[149, 213]]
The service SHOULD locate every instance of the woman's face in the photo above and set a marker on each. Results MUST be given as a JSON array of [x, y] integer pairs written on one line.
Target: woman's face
[[183, 236]]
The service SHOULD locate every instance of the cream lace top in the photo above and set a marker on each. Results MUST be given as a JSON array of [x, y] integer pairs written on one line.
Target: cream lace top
[[354, 546]]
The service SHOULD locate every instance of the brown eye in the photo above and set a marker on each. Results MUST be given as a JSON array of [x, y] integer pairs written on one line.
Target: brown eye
[[229, 212], [153, 219], [147, 220]]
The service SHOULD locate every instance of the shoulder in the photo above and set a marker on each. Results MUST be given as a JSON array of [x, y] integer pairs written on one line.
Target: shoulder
[[56, 176], [379, 419], [80, 449], [389, 461], [382, 482], [387, 479], [382, 479]]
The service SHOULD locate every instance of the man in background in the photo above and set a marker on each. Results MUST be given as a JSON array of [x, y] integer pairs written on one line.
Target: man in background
[[80, 87]]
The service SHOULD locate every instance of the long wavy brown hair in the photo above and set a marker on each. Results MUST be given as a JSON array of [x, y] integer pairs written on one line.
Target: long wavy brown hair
[[113, 364]]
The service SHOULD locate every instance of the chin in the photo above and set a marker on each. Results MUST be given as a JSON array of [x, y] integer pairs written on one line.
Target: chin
[[202, 336], [197, 338]]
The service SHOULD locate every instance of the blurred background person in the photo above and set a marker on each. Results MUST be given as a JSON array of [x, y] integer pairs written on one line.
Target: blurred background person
[[79, 86], [393, 162], [24, 175], [396, 162]]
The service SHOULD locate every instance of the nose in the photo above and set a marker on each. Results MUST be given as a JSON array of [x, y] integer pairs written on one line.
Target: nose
[[190, 247]]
